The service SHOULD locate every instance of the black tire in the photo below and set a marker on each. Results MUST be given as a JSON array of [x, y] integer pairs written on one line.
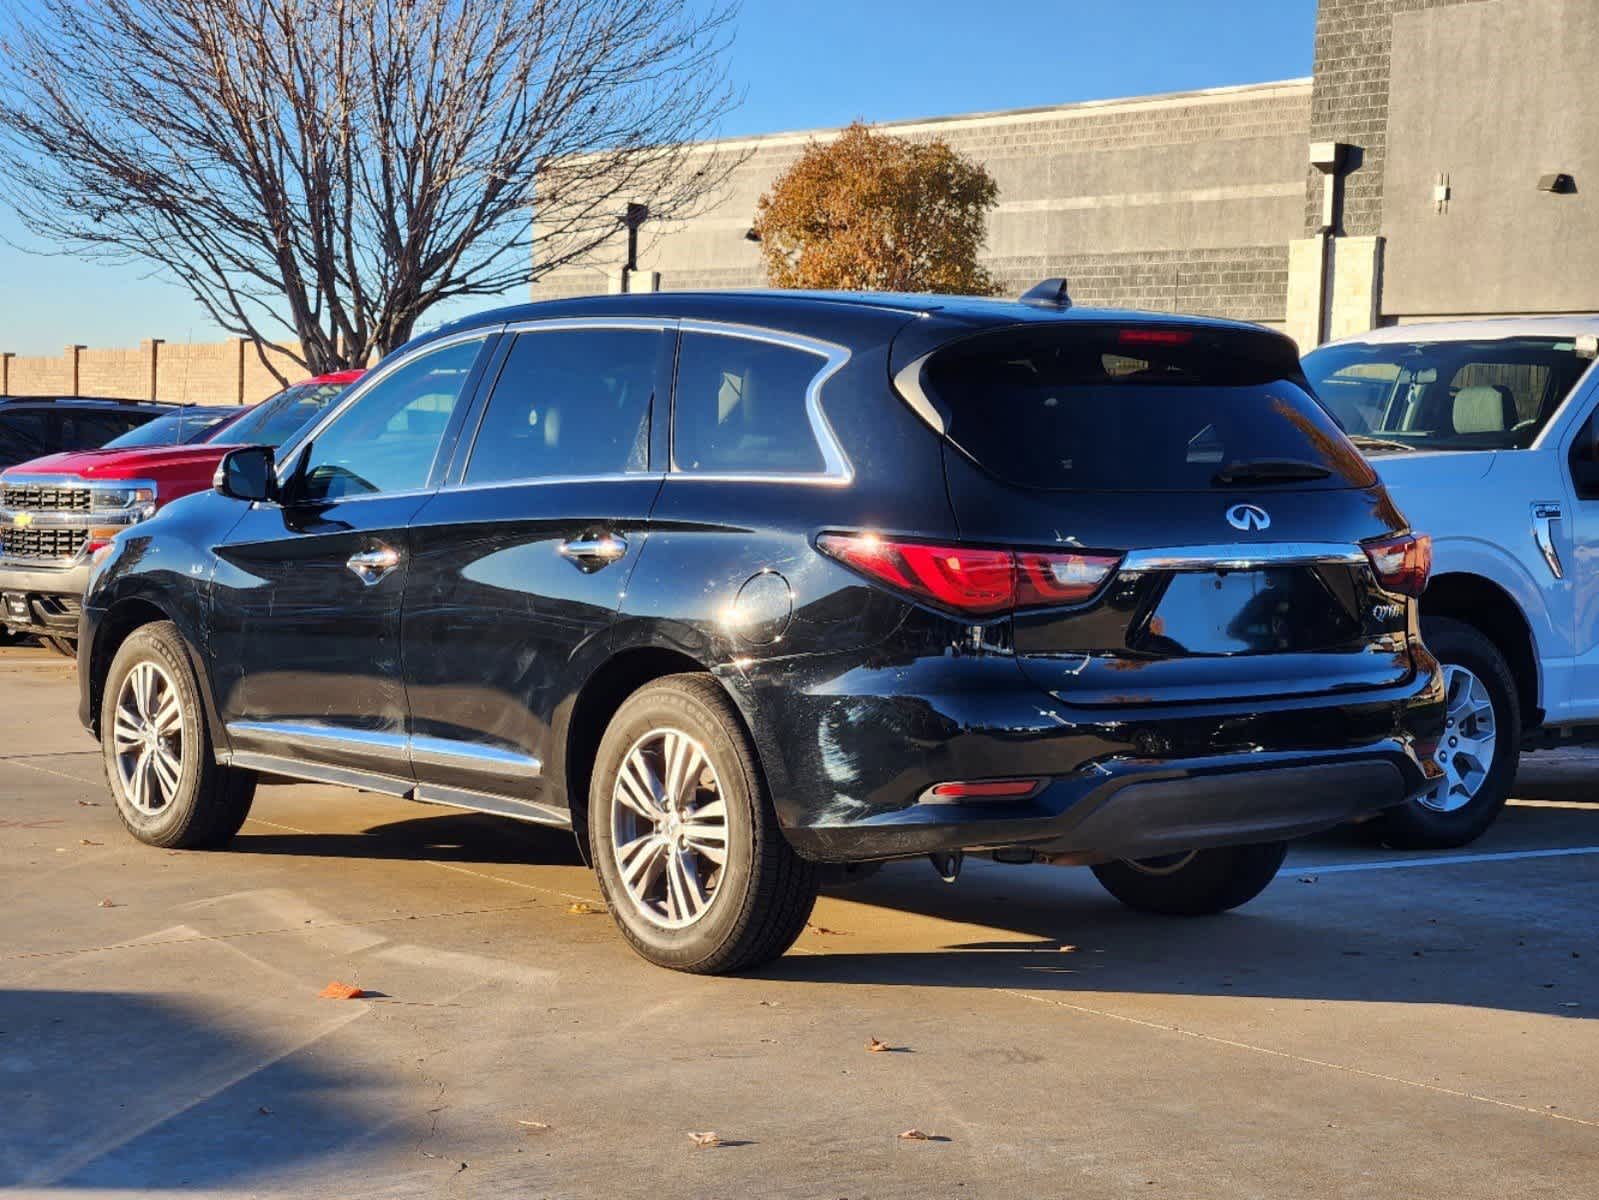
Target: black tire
[[210, 801], [1416, 826], [66, 647], [1195, 884], [761, 896]]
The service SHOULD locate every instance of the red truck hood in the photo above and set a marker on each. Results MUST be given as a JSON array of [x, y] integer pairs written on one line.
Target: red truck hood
[[149, 462]]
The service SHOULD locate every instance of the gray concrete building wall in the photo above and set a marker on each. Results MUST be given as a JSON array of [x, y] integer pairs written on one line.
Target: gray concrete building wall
[[1182, 202]]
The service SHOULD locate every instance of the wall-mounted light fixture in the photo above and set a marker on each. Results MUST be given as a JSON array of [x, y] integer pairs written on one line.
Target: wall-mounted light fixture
[[1328, 158], [1557, 182]]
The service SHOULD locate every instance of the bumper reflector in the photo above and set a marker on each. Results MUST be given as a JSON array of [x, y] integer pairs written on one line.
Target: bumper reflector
[[984, 789]]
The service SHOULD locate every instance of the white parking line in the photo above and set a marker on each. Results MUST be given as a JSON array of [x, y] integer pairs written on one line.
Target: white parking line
[[1445, 860]]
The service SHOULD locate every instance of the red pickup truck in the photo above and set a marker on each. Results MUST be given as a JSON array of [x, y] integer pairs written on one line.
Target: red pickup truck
[[56, 511]]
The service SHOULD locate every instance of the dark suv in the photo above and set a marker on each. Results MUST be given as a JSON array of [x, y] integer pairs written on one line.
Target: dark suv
[[31, 426], [740, 585]]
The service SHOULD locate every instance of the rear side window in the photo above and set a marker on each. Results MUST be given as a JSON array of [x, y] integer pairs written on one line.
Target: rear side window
[[569, 402], [89, 430], [23, 435], [1140, 408], [740, 407]]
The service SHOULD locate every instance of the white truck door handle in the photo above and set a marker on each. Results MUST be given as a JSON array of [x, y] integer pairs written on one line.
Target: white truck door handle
[[1544, 515], [372, 565]]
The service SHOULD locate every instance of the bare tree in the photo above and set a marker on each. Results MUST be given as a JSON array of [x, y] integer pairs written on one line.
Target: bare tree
[[327, 170]]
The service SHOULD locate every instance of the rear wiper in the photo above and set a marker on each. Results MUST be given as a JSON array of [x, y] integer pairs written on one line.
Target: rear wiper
[[1269, 470], [1366, 442]]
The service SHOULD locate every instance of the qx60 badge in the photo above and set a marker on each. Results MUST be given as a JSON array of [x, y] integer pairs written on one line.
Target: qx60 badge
[[1250, 518]]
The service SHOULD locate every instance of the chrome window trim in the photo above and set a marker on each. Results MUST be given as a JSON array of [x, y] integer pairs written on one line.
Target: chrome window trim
[[1242, 556], [536, 325], [541, 480], [286, 453], [837, 470]]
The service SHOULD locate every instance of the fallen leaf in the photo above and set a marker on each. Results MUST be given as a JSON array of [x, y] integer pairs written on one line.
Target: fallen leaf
[[1309, 878], [826, 930], [430, 1154], [706, 1139], [533, 1124], [580, 908], [88, 842], [915, 1135], [108, 903], [264, 1111], [88, 804], [341, 991], [876, 1046]]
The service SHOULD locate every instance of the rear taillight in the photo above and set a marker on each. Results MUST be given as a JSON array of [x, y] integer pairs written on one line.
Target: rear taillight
[[972, 580], [1402, 563]]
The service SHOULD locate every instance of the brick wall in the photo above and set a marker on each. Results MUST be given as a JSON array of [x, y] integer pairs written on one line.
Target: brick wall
[[185, 373], [1349, 101]]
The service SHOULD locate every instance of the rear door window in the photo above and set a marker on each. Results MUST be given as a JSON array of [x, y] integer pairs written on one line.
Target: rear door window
[[740, 407], [86, 429], [1142, 408], [24, 434], [569, 402]]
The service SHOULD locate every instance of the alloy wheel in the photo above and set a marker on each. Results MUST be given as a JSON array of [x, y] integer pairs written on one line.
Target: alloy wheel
[[669, 828], [1466, 750], [147, 738]]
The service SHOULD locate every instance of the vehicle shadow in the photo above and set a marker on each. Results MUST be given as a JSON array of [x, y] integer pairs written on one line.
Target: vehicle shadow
[[450, 837], [1514, 935], [117, 1090]]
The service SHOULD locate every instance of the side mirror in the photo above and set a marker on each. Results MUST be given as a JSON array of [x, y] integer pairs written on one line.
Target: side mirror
[[246, 474]]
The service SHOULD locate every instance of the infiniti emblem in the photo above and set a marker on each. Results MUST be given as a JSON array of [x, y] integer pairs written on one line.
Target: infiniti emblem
[[1248, 517]]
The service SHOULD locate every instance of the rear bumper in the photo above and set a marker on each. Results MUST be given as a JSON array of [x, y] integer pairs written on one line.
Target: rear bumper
[[1138, 809], [852, 751], [36, 599]]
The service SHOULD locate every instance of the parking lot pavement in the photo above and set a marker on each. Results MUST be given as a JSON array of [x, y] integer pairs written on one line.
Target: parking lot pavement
[[1376, 1024]]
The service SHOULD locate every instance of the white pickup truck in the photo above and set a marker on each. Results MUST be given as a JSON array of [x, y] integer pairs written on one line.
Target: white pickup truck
[[1487, 435]]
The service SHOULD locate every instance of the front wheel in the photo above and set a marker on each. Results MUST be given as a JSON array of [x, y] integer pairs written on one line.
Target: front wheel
[[694, 868], [1479, 750], [1195, 883], [169, 789]]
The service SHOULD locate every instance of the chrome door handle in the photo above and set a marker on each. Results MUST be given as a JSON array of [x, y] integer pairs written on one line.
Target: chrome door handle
[[372, 565], [1544, 516], [592, 553]]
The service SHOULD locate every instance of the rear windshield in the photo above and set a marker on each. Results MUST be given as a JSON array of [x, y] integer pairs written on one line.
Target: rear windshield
[[1462, 395], [1141, 408]]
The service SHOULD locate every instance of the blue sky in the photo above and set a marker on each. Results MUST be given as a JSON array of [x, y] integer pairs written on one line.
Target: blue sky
[[802, 64]]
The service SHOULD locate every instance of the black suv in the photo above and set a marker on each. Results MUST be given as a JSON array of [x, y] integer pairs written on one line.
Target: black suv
[[33, 426], [737, 586]]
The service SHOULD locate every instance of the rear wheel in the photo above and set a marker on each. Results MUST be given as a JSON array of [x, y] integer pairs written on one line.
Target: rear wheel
[[169, 789], [694, 868], [1479, 750], [1195, 883]]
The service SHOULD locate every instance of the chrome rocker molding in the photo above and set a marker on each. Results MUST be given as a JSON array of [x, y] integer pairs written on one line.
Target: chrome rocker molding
[[499, 765]]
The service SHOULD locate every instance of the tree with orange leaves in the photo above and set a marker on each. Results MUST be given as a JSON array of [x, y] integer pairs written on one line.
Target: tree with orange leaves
[[873, 212]]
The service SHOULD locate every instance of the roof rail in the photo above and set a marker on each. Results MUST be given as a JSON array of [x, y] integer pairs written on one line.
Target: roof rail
[[1049, 294]]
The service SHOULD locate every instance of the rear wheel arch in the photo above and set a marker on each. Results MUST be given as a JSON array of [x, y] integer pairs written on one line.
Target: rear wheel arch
[[1488, 608], [597, 702]]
